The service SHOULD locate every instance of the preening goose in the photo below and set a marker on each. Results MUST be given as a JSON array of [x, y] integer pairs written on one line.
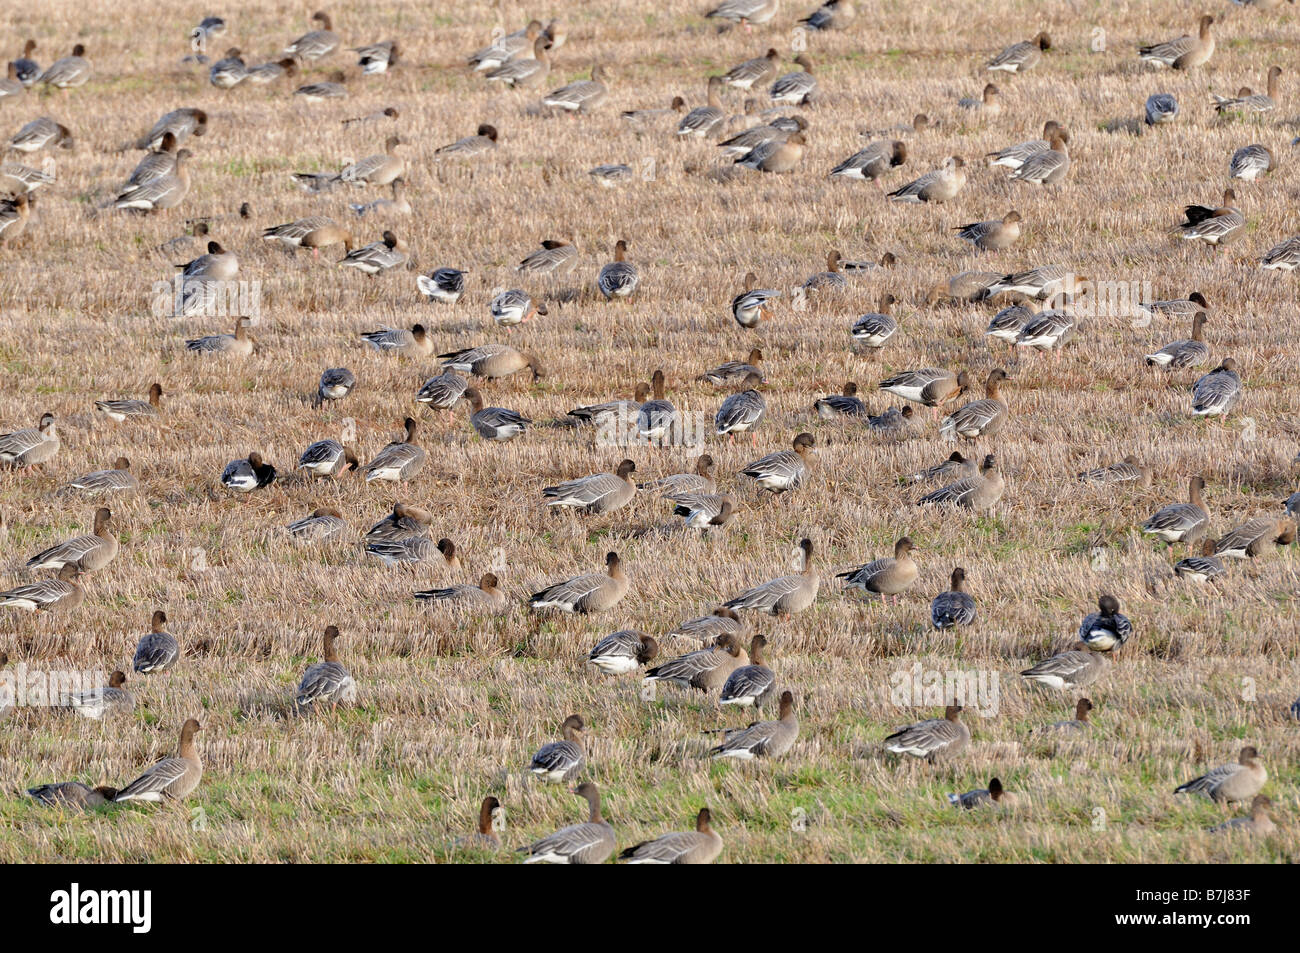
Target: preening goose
[[496, 424], [623, 651], [1105, 630], [321, 525], [250, 473]]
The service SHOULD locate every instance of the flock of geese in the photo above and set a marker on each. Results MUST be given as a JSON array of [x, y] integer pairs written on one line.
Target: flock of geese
[[1034, 312]]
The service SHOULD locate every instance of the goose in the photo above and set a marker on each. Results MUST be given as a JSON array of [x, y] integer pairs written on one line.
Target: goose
[[583, 96], [613, 413], [874, 161], [376, 58], [318, 92], [641, 118], [779, 129], [888, 576], [506, 48], [706, 669], [483, 141], [1048, 167], [956, 467], [229, 71], [485, 838], [623, 651], [1256, 822], [335, 384], [514, 307], [1292, 503], [877, 327], [784, 470], [486, 595], [1049, 330], [378, 256], [215, 263], [775, 155], [619, 278], [703, 121], [1201, 568], [1251, 538], [785, 595], [403, 522], [979, 418], [1077, 724], [611, 175], [743, 411], [893, 420], [1073, 668], [491, 361], [735, 372], [722, 621], [442, 284], [162, 193], [832, 279], [762, 739], [1229, 783], [120, 410], [797, 87], [941, 185], [61, 591], [1218, 391], [555, 257], [1251, 103], [1181, 307], [328, 458], [378, 169], [155, 164], [594, 592], [831, 15], [27, 70], [524, 72], [989, 101], [1284, 256], [400, 460], [14, 214], [39, 133], [181, 123], [559, 761], [600, 493], [494, 423], [112, 699], [1181, 522], [170, 779], [1214, 226], [699, 480], [72, 794], [1128, 470], [319, 526], [745, 12], [442, 392], [752, 685], [327, 682], [753, 72], [1160, 108], [703, 511], [657, 418], [118, 479], [316, 183], [844, 404], [262, 73], [19, 179], [388, 112], [326, 236], [1105, 630], [954, 607], [1020, 57], [1013, 157], [992, 796], [931, 386], [31, 446], [1184, 52], [1250, 162], [84, 553], [933, 739], [588, 843], [314, 44], [1043, 282], [993, 235], [70, 71], [415, 342], [1184, 353], [700, 846], [247, 474]]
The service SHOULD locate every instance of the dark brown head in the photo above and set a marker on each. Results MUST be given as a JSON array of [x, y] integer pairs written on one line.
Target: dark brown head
[[625, 468], [488, 581], [488, 132], [1108, 605], [951, 712], [803, 442], [959, 580], [903, 547], [1248, 754], [117, 679], [1081, 709], [787, 704], [485, 812], [158, 621], [122, 463]]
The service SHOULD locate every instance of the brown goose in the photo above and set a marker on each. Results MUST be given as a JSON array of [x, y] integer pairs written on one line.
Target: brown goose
[[886, 577], [784, 595], [705, 669], [589, 843], [931, 386], [933, 739], [83, 553], [594, 592], [170, 779], [600, 493], [979, 418], [762, 739], [700, 846], [1239, 781]]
